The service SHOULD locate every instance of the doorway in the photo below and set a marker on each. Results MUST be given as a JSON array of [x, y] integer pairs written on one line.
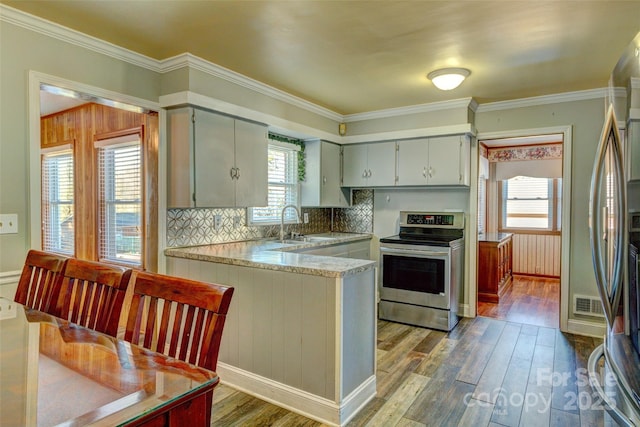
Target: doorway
[[94, 134], [520, 226]]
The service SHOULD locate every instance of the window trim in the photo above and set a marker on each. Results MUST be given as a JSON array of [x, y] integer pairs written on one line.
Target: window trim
[[122, 138], [53, 150], [555, 221], [294, 149]]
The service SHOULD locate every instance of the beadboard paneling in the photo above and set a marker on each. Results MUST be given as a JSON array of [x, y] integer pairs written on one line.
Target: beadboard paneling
[[536, 254]]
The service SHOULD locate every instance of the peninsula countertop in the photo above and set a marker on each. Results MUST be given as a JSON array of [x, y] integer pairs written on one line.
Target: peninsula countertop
[[272, 254]]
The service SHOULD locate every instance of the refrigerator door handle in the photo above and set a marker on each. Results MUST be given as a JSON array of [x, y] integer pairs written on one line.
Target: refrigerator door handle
[[612, 408]]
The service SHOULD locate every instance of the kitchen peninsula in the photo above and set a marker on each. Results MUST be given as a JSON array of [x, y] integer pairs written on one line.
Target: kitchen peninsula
[[301, 329]]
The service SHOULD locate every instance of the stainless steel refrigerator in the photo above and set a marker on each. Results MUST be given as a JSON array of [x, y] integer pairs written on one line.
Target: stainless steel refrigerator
[[614, 367]]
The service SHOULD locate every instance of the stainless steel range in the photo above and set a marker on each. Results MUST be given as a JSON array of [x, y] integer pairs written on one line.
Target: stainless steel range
[[421, 271]]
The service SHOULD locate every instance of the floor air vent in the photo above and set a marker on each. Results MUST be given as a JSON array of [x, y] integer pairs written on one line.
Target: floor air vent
[[589, 306]]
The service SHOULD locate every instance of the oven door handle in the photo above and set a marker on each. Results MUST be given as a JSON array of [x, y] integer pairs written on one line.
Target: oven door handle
[[422, 254]]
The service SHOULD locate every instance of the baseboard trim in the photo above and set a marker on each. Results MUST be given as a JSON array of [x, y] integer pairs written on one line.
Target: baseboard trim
[[296, 400], [584, 327]]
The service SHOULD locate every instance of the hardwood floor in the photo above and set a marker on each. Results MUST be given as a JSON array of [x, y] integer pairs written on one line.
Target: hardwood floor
[[486, 372], [530, 300]]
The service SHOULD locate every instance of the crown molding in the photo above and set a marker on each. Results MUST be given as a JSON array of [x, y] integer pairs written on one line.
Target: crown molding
[[412, 109], [51, 29], [197, 63], [550, 99], [57, 31]]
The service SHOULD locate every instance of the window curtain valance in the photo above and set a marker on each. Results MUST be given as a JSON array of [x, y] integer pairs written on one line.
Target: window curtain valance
[[543, 161]]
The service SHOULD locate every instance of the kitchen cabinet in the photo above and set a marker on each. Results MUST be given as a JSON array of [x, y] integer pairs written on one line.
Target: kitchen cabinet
[[495, 275], [633, 150], [215, 160], [442, 160], [369, 165], [321, 187]]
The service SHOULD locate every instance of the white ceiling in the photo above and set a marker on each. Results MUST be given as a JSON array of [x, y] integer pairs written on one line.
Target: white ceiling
[[360, 56]]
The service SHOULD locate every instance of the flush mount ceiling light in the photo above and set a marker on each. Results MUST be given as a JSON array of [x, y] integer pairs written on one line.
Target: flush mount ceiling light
[[448, 78]]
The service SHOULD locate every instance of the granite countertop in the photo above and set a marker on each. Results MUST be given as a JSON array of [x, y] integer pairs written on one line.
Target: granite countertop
[[493, 237], [272, 254]]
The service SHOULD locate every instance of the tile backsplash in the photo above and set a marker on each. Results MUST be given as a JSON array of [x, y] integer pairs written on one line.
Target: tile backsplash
[[191, 227]]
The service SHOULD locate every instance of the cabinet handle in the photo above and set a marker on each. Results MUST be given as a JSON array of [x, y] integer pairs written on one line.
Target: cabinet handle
[[430, 172], [324, 179], [424, 172], [237, 173], [232, 172], [369, 173], [364, 173]]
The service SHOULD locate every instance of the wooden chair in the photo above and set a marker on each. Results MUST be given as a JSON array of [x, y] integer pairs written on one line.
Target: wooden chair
[[92, 294], [188, 322], [38, 281]]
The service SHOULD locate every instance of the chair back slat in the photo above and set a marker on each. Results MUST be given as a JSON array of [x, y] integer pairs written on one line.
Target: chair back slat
[[92, 294], [192, 319], [38, 284]]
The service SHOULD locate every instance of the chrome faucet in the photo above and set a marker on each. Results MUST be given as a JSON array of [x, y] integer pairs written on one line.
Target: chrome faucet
[[282, 218]]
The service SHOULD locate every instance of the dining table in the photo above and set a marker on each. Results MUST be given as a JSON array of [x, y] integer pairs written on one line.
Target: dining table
[[56, 373]]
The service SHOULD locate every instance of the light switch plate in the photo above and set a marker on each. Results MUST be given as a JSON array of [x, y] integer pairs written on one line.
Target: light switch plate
[[8, 224], [217, 219], [306, 217]]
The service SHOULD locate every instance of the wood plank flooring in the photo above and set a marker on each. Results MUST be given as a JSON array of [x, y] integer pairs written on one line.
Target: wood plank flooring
[[531, 300], [486, 372]]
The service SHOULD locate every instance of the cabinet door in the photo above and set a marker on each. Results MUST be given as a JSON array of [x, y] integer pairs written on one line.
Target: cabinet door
[[381, 163], [445, 160], [413, 162], [331, 194], [251, 163], [180, 169], [214, 157], [354, 166]]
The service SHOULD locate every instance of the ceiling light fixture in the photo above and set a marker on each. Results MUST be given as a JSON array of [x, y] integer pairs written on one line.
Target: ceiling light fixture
[[448, 78]]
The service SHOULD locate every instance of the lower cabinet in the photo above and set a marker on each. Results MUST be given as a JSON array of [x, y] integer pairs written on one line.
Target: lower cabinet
[[495, 276]]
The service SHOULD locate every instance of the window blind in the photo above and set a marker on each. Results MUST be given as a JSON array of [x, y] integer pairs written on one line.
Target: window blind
[[283, 185], [528, 202], [58, 202], [120, 202]]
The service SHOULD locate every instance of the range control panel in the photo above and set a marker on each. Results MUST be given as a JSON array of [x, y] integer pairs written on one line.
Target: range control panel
[[432, 219], [415, 219]]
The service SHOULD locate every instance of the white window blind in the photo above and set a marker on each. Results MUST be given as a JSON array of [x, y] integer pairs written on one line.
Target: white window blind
[[120, 201], [283, 185], [529, 202], [482, 205], [57, 202]]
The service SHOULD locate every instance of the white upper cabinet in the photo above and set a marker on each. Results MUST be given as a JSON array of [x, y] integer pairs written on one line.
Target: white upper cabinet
[[215, 160], [369, 165], [442, 160], [321, 187]]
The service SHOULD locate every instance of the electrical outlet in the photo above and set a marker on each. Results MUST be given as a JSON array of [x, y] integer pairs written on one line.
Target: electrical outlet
[[305, 217], [8, 224], [217, 219], [236, 221]]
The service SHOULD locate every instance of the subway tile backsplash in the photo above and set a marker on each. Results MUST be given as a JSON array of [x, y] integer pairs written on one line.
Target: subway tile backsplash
[[192, 227]]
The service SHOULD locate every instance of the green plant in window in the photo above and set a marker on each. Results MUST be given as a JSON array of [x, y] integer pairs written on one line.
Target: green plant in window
[[301, 156]]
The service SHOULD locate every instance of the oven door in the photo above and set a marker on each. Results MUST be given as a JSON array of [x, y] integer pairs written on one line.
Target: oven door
[[415, 276]]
